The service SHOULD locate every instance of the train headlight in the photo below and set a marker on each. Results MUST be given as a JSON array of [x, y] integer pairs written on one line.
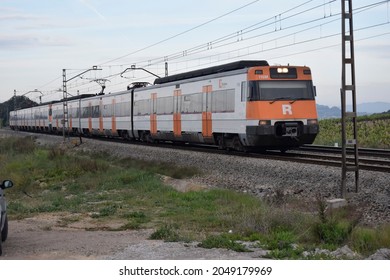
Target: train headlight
[[312, 122], [264, 122], [282, 70]]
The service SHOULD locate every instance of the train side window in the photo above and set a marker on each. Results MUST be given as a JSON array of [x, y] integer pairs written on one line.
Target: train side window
[[107, 110], [165, 105], [244, 91], [223, 101], [86, 112], [95, 111]]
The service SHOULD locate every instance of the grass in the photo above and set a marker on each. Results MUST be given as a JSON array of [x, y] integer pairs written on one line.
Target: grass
[[129, 195]]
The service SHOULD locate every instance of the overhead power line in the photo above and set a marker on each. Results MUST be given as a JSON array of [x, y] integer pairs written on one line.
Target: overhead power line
[[181, 33], [251, 32]]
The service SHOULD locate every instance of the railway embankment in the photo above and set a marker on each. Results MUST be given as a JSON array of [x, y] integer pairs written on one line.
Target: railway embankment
[[273, 180], [270, 179]]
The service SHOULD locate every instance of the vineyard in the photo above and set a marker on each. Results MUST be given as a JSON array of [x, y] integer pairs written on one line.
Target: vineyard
[[373, 131]]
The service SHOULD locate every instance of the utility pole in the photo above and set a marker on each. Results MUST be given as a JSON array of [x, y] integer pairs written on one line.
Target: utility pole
[[348, 88], [64, 104], [15, 100], [15, 113], [65, 119]]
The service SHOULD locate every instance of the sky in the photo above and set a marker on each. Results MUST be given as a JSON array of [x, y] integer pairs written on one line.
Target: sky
[[38, 39]]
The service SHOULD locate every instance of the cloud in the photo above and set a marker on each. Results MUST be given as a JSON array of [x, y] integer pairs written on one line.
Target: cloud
[[378, 49], [13, 20], [22, 42], [18, 17]]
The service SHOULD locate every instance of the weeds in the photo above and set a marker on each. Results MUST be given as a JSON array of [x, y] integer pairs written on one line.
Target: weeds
[[17, 145], [167, 233], [335, 226], [225, 241], [368, 240], [106, 211]]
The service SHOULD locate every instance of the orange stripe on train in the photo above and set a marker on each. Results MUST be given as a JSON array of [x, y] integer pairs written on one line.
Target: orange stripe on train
[[177, 113], [266, 110]]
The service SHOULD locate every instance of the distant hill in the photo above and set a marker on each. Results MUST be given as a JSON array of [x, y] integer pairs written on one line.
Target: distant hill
[[326, 112], [371, 107]]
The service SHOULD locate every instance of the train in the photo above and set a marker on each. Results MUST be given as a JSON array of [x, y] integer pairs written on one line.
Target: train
[[241, 106]]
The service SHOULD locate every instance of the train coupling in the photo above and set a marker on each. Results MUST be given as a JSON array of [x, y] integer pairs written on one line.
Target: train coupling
[[287, 129]]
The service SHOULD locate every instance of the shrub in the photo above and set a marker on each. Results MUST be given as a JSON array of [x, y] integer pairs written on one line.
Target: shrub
[[17, 145], [167, 233], [223, 241], [367, 240], [332, 232]]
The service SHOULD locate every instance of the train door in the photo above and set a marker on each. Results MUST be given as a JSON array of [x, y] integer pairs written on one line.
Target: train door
[[244, 97], [153, 114], [206, 113], [177, 113], [50, 117], [79, 117], [70, 118]]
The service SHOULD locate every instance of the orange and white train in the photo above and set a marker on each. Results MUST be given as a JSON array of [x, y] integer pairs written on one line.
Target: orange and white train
[[240, 105]]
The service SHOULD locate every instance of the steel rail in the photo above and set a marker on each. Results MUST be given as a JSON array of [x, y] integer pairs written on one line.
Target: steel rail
[[385, 153]]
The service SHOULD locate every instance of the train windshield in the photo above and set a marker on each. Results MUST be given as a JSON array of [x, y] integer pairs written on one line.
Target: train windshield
[[280, 90]]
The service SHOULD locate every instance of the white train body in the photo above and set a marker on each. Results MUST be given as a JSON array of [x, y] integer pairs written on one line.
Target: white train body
[[215, 108]]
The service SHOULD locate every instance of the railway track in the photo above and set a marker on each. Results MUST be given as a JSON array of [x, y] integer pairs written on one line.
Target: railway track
[[380, 153], [366, 162], [369, 159]]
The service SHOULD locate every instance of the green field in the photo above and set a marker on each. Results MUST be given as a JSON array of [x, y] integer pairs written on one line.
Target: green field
[[373, 131]]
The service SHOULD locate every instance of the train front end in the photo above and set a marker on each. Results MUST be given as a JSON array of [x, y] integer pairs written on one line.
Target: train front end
[[280, 107]]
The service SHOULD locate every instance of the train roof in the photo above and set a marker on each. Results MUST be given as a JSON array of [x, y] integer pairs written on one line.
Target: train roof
[[76, 97], [81, 96], [211, 70]]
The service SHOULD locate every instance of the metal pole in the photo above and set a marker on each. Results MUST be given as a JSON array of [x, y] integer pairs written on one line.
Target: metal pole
[[15, 112], [15, 100], [64, 103], [65, 97], [347, 39], [343, 144]]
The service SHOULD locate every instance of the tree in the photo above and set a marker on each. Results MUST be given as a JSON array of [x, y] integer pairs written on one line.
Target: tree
[[8, 106]]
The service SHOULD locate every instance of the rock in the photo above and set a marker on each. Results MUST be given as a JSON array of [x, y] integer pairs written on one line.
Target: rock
[[345, 253], [341, 253], [381, 254]]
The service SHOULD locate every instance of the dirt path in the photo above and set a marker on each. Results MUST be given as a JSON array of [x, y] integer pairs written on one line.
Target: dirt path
[[39, 238]]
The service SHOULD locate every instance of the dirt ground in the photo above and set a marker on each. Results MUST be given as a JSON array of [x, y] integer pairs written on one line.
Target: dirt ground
[[41, 238]]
